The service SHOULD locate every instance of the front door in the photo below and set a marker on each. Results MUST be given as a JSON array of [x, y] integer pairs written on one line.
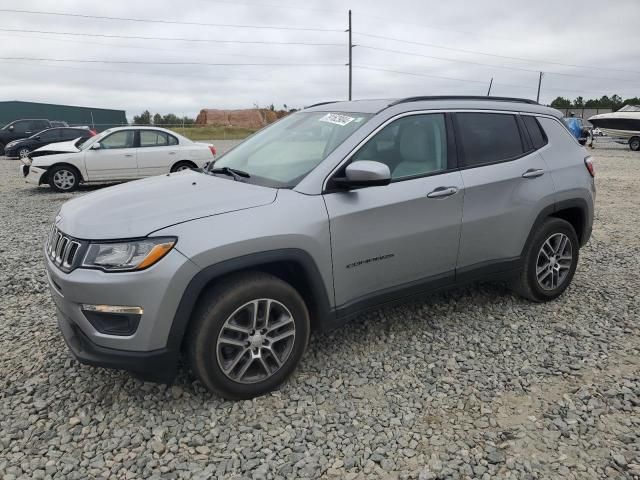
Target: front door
[[395, 240], [115, 159]]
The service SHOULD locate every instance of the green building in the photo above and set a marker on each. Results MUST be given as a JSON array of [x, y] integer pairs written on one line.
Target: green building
[[98, 118]]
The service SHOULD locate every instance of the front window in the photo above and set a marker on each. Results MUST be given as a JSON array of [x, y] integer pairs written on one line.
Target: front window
[[284, 153]]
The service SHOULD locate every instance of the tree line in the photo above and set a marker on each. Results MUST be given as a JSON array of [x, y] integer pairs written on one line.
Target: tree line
[[170, 119], [615, 102]]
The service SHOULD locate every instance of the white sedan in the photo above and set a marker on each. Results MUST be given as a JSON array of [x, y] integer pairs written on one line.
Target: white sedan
[[117, 154]]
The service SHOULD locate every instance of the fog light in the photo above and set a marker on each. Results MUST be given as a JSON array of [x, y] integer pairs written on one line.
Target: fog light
[[113, 319], [113, 309]]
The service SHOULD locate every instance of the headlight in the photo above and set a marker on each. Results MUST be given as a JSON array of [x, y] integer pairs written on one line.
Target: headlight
[[128, 255]]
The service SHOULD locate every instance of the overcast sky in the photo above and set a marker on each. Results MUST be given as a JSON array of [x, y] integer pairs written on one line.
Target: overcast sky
[[550, 35]]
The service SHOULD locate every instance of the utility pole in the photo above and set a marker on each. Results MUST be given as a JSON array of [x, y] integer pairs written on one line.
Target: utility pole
[[539, 84], [350, 57], [490, 83]]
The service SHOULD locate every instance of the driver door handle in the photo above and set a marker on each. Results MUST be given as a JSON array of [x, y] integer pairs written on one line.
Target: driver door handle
[[533, 173], [442, 192], [128, 154]]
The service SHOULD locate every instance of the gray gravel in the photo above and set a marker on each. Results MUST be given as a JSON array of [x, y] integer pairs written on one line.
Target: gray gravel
[[476, 383]]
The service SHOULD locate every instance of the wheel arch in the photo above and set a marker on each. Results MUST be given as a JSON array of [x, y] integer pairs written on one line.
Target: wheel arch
[[175, 164], [575, 211], [45, 176], [294, 266]]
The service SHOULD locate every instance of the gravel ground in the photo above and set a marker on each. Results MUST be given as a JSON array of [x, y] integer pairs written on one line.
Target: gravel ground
[[476, 383]]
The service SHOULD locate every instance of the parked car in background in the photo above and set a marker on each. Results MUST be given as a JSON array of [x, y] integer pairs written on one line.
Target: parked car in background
[[117, 154], [21, 129], [333, 210], [58, 123], [22, 148]]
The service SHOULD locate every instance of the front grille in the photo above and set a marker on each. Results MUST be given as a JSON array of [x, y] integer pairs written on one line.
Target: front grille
[[62, 250]]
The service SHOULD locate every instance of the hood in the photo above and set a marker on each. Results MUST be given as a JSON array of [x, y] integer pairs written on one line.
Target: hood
[[60, 147], [138, 208]]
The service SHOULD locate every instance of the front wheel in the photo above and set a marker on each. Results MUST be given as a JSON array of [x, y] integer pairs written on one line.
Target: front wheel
[[248, 335], [63, 178], [550, 261], [634, 144], [23, 152]]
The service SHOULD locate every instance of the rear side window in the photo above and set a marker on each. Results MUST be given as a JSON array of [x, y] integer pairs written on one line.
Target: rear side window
[[536, 133], [488, 137]]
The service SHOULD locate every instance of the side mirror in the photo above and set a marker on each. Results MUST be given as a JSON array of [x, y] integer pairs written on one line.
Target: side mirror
[[365, 173], [11, 128], [38, 137], [96, 146]]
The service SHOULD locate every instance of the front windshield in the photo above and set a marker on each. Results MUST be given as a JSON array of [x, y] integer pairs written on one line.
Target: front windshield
[[94, 139], [284, 153]]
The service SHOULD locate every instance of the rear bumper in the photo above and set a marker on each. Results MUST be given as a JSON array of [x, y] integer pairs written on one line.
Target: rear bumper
[[155, 366]]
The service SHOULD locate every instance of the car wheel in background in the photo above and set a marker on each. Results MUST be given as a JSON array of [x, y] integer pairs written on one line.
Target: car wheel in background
[[247, 335], [549, 262], [24, 152], [183, 165], [63, 178], [634, 144]]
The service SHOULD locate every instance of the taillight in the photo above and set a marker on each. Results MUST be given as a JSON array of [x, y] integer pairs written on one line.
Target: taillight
[[213, 150], [588, 162]]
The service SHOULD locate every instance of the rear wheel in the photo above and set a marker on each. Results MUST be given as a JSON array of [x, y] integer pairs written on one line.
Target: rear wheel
[[634, 144], [183, 165], [1, 148], [248, 335], [63, 178], [550, 261]]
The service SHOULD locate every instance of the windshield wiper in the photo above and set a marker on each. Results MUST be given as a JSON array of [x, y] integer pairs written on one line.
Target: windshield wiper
[[232, 172]]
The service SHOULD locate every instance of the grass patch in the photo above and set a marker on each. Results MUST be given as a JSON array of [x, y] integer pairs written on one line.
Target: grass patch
[[214, 133]]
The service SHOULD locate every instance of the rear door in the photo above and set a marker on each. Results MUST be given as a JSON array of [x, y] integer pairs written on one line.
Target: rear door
[[157, 152], [506, 185], [115, 159]]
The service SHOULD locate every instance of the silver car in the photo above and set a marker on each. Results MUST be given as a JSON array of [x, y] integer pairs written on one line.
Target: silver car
[[339, 208]]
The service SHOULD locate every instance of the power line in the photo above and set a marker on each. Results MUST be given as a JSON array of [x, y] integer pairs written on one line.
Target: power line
[[475, 52], [208, 64], [173, 39], [381, 69], [170, 22], [162, 75], [522, 69]]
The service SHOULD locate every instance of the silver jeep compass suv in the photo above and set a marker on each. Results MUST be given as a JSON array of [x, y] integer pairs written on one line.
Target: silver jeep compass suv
[[338, 208]]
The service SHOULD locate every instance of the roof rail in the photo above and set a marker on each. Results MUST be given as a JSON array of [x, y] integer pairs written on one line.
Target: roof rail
[[321, 103], [464, 97]]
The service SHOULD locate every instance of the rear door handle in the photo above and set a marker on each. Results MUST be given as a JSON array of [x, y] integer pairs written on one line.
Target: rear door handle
[[533, 173], [442, 192], [128, 154], [172, 153]]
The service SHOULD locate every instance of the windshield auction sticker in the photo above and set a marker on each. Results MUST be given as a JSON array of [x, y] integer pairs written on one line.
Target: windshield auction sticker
[[337, 119]]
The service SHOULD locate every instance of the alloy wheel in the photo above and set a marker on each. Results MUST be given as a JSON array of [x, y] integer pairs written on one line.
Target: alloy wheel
[[255, 341], [23, 153], [64, 179], [554, 261]]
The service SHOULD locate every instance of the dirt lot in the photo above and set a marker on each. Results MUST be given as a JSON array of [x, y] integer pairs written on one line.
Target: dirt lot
[[475, 383]]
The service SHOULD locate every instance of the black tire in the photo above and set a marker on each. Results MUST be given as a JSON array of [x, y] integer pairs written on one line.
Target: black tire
[[527, 284], [634, 143], [1, 149], [183, 165], [69, 173], [218, 305]]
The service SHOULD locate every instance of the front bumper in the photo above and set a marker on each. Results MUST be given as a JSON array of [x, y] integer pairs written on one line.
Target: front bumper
[[158, 290], [32, 174], [156, 366]]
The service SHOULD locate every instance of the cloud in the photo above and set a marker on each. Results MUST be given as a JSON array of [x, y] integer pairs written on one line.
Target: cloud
[[544, 30]]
